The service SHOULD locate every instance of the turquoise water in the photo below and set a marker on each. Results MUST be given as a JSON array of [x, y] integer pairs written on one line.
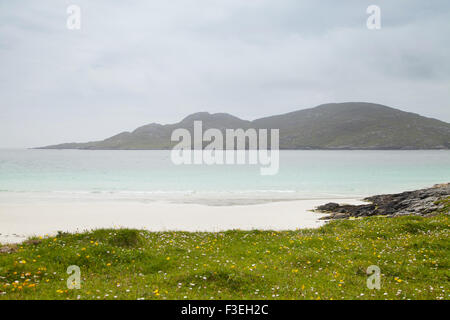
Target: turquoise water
[[305, 174]]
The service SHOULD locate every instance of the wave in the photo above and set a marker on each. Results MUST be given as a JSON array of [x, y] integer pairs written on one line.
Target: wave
[[150, 192], [186, 194]]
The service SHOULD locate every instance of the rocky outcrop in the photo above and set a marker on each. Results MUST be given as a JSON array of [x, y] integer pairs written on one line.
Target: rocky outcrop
[[419, 202]]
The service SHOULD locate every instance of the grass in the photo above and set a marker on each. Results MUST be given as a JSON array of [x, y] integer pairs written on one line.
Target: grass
[[326, 263], [445, 205]]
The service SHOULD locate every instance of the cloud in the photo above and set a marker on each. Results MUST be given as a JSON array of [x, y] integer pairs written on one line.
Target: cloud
[[135, 62]]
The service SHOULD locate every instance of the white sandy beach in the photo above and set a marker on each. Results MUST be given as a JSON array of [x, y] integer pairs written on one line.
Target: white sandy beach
[[19, 221]]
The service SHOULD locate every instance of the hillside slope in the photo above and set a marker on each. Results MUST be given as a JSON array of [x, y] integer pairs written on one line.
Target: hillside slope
[[353, 125]]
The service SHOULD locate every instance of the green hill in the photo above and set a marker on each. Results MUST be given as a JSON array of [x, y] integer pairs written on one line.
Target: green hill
[[353, 125]]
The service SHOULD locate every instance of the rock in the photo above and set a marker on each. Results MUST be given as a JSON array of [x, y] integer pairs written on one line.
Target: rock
[[329, 207], [419, 202]]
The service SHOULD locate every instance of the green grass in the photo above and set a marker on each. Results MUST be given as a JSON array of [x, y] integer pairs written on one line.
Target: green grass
[[327, 263], [445, 205]]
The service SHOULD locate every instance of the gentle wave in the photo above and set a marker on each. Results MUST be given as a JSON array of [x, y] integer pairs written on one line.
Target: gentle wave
[[138, 192], [177, 195]]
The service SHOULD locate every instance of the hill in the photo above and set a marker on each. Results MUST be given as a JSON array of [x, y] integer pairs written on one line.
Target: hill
[[353, 125]]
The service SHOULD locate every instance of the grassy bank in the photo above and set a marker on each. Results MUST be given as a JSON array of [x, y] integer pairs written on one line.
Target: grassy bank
[[327, 263]]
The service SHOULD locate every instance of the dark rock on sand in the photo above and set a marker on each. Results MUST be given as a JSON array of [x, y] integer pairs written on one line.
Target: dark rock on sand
[[418, 202]]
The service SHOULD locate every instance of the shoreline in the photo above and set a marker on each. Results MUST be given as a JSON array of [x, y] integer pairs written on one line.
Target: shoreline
[[19, 221]]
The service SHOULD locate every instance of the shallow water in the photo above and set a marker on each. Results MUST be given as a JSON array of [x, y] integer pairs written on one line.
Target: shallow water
[[152, 175]]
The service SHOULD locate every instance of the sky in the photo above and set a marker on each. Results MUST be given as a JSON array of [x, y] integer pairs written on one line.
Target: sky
[[136, 62]]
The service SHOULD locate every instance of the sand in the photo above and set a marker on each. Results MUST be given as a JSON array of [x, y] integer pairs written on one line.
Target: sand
[[20, 220]]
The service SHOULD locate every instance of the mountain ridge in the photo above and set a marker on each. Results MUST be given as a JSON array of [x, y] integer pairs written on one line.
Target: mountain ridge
[[334, 126]]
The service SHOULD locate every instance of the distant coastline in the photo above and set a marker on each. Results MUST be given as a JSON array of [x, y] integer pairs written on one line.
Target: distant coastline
[[336, 126], [284, 149]]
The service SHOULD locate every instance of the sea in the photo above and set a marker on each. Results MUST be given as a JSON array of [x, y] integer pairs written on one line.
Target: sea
[[152, 175]]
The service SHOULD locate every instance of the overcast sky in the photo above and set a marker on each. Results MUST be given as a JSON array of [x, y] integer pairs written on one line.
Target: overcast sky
[[137, 62]]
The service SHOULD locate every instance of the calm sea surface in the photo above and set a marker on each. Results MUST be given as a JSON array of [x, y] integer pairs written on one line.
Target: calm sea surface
[[302, 174]]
